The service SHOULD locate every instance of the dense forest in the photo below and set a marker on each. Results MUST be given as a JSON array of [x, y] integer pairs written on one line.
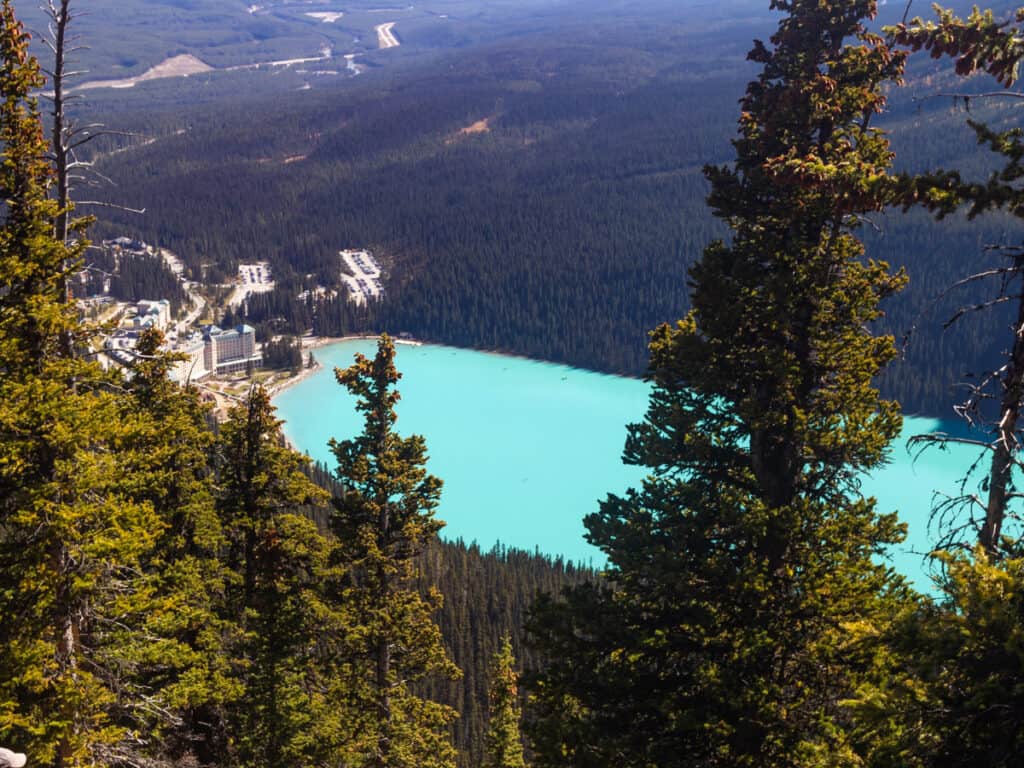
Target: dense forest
[[128, 277], [284, 353], [487, 597], [458, 273], [562, 231], [181, 592]]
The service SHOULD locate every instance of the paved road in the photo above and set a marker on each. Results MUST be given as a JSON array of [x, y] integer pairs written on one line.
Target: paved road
[[199, 303]]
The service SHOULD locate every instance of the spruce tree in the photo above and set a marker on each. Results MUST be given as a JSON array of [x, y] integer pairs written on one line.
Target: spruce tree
[[957, 699], [743, 572], [183, 667], [981, 43], [960, 700], [73, 533], [278, 559], [33, 263], [503, 743], [383, 520]]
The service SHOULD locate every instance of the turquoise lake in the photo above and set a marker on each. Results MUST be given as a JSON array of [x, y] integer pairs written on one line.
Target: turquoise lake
[[527, 448]]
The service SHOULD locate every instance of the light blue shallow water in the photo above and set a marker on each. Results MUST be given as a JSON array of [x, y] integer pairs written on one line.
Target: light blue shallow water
[[526, 448]]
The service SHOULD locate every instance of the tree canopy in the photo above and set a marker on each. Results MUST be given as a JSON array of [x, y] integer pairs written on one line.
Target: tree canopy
[[743, 563]]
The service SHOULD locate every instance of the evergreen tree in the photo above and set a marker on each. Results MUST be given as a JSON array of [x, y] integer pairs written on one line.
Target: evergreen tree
[[744, 572], [183, 668], [34, 264], [384, 519], [959, 701], [278, 559], [504, 745], [284, 353], [73, 532], [980, 42]]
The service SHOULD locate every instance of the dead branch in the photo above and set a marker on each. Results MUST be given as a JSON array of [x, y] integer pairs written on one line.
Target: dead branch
[[117, 206]]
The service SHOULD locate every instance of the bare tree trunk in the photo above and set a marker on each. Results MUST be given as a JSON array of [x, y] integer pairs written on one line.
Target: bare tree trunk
[[59, 20], [1006, 447]]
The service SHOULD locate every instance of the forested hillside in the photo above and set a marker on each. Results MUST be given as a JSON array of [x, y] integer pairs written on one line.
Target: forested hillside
[[487, 596], [127, 37], [542, 195]]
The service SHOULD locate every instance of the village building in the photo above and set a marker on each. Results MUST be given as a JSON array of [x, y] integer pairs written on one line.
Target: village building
[[152, 314], [193, 365], [230, 351]]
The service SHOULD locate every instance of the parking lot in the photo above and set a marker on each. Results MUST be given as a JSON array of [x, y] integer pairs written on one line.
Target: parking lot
[[256, 276], [362, 276]]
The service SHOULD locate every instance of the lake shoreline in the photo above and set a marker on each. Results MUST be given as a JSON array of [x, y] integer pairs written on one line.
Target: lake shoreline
[[485, 415], [309, 343], [316, 342], [506, 431]]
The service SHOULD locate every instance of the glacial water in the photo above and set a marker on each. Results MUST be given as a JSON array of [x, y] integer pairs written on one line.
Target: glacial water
[[526, 449]]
